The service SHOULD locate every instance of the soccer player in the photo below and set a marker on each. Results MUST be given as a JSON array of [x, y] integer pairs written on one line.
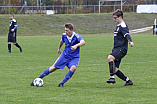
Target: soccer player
[[121, 39], [12, 33], [69, 57]]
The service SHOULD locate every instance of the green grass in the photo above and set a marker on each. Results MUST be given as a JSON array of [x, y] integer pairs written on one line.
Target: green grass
[[50, 25], [88, 85]]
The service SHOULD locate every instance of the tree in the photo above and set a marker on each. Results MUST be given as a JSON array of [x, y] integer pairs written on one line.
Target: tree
[[15, 2], [48, 2]]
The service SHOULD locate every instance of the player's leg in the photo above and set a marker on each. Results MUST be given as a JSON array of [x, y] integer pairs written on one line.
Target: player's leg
[[9, 43], [121, 75], [14, 42], [113, 58], [9, 47], [72, 65], [59, 64], [17, 45], [47, 71], [112, 69], [68, 76]]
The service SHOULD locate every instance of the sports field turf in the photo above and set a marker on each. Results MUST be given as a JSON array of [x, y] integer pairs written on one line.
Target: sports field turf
[[88, 85]]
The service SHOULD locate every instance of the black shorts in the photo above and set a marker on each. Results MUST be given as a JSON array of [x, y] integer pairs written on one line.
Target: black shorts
[[118, 54], [12, 37]]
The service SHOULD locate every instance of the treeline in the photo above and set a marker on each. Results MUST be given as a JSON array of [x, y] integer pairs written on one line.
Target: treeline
[[69, 2], [67, 6]]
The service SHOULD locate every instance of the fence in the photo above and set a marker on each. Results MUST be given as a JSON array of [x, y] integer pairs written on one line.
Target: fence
[[65, 9]]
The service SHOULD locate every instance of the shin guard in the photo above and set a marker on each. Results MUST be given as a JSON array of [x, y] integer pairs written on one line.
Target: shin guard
[[112, 68]]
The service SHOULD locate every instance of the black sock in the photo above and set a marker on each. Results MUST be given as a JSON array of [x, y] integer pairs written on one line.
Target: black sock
[[17, 45], [112, 68], [121, 75], [9, 47]]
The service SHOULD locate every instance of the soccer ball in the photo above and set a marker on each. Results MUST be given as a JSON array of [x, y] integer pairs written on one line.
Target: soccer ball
[[38, 82]]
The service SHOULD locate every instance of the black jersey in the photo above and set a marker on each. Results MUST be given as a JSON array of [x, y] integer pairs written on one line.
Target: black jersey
[[12, 24], [120, 40]]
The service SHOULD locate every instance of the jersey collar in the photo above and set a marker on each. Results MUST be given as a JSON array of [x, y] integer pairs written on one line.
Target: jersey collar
[[70, 38]]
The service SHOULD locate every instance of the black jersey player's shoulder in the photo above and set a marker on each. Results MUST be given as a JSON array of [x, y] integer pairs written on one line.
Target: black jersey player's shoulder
[[14, 20], [123, 27], [13, 23]]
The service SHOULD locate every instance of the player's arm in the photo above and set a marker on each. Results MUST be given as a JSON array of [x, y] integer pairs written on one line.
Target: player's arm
[[15, 26], [82, 42], [128, 37], [131, 43], [125, 32], [60, 45]]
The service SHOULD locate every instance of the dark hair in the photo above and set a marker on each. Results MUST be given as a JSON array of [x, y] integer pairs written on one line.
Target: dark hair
[[118, 13], [69, 25]]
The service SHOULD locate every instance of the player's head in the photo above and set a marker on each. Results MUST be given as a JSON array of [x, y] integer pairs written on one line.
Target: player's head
[[118, 16], [69, 29], [11, 16]]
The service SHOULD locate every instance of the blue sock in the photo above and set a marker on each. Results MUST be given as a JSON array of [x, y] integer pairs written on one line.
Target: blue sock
[[45, 73], [67, 76]]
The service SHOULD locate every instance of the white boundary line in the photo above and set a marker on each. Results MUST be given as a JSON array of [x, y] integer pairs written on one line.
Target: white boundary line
[[141, 29]]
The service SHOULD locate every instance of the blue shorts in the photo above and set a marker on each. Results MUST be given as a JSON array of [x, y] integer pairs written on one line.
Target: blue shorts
[[118, 54], [63, 61]]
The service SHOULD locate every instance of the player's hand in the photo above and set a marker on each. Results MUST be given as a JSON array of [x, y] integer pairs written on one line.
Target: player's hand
[[59, 51], [12, 30], [131, 44], [73, 47]]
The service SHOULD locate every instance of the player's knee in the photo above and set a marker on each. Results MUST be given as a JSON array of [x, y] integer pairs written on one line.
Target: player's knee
[[52, 69], [14, 43], [110, 58], [116, 69], [73, 68]]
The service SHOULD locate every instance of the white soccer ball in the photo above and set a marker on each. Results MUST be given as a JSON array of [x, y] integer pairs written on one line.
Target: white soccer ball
[[38, 82]]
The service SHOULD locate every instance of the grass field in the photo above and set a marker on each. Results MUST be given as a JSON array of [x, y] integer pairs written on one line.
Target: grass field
[[88, 85]]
